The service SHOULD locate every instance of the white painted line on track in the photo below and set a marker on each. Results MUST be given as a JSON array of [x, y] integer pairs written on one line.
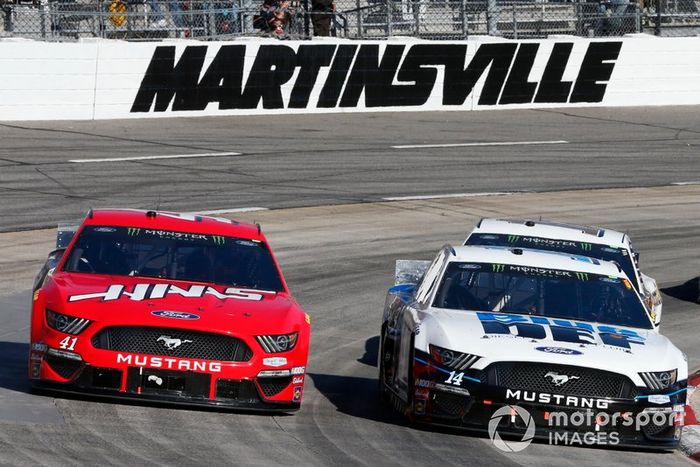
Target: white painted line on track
[[463, 145], [697, 182], [227, 211], [451, 195], [148, 158]]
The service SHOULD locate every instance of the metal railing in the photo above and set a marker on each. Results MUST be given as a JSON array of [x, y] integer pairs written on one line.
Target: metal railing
[[60, 20]]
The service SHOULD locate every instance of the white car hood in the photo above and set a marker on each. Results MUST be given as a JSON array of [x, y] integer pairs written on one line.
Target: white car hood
[[611, 348]]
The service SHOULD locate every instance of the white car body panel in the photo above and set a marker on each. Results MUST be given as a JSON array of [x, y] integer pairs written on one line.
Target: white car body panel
[[462, 331]]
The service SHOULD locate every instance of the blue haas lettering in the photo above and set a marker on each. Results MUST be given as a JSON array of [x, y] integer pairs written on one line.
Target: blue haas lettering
[[535, 327]]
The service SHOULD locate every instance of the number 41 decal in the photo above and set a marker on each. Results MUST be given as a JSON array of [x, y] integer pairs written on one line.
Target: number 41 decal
[[455, 378], [69, 343]]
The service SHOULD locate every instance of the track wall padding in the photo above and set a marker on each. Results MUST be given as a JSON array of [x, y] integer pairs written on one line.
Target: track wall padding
[[114, 79]]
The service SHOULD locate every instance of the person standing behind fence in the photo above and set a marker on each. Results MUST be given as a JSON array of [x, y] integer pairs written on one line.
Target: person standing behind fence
[[274, 17], [158, 20], [321, 14]]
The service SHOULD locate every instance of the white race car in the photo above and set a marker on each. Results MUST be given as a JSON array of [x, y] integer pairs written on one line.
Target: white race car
[[605, 244], [481, 328]]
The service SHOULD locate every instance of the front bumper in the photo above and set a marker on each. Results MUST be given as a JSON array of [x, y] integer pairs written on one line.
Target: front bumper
[[236, 385], [238, 395], [558, 419]]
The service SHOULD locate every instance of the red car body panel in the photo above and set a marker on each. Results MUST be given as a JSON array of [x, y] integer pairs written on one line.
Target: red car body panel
[[154, 307]]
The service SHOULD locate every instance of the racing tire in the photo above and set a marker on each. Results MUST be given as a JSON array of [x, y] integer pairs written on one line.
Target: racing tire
[[381, 386], [405, 408], [410, 390]]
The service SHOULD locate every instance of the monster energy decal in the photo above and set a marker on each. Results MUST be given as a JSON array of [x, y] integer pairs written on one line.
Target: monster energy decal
[[162, 234], [520, 241], [535, 271], [582, 276], [539, 272], [170, 235]]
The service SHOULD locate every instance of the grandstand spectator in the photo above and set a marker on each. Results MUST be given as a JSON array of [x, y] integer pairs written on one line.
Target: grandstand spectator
[[275, 16], [158, 20], [321, 14]]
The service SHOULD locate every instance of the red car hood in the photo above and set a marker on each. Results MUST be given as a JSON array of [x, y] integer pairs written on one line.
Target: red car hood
[[120, 300]]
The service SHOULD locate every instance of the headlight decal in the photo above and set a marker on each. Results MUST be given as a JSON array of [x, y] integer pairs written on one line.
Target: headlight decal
[[451, 359], [278, 343], [65, 323], [659, 380]]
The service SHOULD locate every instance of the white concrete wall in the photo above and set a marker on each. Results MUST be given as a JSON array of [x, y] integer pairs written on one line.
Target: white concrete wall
[[101, 79]]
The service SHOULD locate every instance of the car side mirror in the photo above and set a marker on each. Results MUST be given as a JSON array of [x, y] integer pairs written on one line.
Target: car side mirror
[[652, 297], [55, 257], [51, 262]]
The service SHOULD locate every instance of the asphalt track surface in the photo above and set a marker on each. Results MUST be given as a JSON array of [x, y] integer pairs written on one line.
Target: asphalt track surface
[[292, 161], [325, 178]]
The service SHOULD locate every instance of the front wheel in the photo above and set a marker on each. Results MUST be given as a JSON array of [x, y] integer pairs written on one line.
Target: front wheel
[[405, 407], [383, 391]]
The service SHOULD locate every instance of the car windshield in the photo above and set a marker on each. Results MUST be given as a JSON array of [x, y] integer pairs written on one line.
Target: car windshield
[[551, 293], [133, 251], [593, 250]]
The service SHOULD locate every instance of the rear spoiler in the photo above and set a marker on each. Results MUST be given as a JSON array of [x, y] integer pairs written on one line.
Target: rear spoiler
[[409, 271], [65, 233]]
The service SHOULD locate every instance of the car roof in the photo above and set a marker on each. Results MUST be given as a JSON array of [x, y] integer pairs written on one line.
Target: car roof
[[553, 230], [534, 258], [179, 222]]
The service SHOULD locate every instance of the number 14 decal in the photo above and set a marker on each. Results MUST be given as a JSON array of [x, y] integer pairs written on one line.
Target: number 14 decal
[[455, 378], [69, 343]]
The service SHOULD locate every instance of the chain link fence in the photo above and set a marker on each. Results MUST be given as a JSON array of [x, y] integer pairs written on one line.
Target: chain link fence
[[61, 20]]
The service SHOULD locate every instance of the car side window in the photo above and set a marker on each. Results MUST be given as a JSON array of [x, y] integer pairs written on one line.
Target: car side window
[[430, 279], [635, 262]]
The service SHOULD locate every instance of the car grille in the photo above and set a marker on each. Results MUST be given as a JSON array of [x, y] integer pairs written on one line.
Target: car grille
[[163, 341], [582, 381], [273, 386]]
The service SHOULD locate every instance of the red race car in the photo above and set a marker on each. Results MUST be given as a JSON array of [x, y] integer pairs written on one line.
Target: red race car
[[171, 307]]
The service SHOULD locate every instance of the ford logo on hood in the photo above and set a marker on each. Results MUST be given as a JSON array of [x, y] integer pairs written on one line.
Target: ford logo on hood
[[559, 350], [174, 314]]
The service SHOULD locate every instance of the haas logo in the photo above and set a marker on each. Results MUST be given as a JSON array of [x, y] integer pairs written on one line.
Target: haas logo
[[171, 343], [559, 380]]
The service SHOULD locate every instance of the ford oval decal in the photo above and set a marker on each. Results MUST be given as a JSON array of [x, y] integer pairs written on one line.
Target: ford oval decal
[[174, 314], [559, 350]]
